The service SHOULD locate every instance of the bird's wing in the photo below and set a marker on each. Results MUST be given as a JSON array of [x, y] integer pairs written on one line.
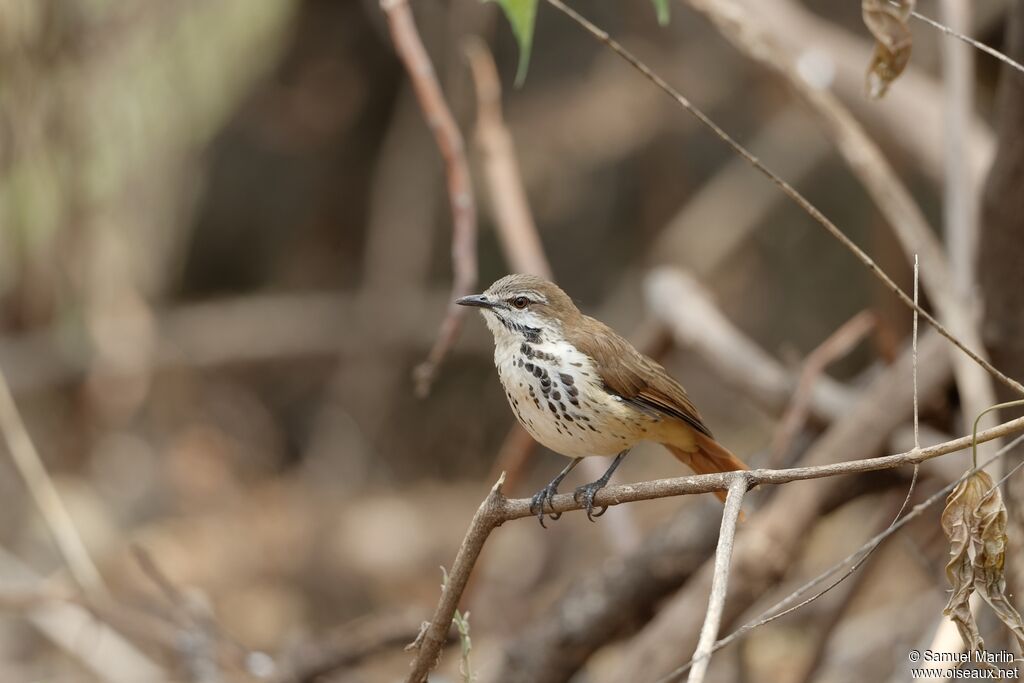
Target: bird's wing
[[633, 376]]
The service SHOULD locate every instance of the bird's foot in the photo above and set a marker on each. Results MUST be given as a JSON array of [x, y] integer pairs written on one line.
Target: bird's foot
[[584, 495], [543, 497]]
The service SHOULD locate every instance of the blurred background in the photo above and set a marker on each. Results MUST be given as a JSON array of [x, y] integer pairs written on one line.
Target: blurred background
[[225, 244]]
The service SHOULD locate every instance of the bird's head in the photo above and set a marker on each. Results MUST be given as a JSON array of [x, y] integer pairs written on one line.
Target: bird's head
[[524, 307]]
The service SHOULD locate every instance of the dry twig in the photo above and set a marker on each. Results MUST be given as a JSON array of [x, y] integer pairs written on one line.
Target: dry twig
[[978, 45], [460, 190], [44, 493], [720, 580]]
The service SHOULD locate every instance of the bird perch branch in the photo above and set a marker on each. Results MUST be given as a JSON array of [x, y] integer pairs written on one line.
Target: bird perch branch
[[497, 509]]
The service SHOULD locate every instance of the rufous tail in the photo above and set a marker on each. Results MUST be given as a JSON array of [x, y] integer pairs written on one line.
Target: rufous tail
[[709, 457]]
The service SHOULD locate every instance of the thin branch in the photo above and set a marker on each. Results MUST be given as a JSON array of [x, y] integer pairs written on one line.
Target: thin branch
[[496, 510], [720, 581], [917, 422], [788, 189], [460, 189], [44, 493], [786, 606], [991, 51]]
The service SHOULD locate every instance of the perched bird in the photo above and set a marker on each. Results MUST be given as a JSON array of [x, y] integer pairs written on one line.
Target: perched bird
[[581, 389]]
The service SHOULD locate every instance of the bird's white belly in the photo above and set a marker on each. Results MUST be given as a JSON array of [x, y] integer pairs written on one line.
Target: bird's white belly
[[559, 399]]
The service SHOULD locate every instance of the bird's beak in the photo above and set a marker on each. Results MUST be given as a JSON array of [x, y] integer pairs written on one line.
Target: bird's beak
[[478, 300]]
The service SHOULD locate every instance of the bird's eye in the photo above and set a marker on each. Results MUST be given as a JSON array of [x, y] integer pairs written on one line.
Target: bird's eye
[[520, 302]]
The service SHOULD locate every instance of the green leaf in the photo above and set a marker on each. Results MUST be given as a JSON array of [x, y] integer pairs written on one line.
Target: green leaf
[[661, 7], [522, 16]]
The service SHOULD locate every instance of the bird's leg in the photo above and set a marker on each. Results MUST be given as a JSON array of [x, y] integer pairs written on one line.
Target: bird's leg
[[548, 492], [585, 494]]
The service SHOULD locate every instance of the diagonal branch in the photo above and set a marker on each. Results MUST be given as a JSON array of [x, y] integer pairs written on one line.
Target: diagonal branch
[[789, 190], [44, 493], [460, 188]]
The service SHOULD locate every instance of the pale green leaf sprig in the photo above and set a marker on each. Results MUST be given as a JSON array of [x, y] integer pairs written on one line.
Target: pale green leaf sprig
[[522, 17]]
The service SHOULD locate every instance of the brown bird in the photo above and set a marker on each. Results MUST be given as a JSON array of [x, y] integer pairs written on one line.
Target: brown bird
[[581, 389]]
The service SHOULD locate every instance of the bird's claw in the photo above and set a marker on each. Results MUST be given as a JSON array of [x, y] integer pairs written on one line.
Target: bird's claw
[[584, 495], [545, 495]]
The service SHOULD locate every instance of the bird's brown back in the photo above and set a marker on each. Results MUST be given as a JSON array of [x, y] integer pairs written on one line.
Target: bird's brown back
[[630, 374]]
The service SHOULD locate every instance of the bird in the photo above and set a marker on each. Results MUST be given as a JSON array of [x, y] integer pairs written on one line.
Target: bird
[[580, 389]]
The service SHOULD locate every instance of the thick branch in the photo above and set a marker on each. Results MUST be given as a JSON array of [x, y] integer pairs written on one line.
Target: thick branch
[[428, 644]]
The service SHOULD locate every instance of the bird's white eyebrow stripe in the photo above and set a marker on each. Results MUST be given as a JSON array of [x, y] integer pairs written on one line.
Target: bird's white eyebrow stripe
[[535, 295]]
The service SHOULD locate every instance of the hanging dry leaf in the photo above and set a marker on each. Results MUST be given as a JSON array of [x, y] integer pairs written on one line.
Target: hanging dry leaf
[[887, 21], [974, 521], [989, 542], [957, 520]]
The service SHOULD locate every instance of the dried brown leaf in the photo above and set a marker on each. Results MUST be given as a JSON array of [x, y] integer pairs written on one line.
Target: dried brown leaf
[[989, 542], [974, 521], [957, 521], [888, 23]]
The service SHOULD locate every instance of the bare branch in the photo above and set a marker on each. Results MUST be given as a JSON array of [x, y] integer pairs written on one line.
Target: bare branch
[[460, 189], [428, 645], [44, 493], [720, 581], [991, 51]]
